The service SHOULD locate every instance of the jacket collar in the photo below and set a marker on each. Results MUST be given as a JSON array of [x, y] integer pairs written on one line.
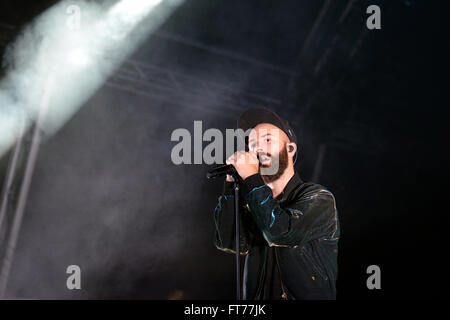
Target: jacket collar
[[293, 183]]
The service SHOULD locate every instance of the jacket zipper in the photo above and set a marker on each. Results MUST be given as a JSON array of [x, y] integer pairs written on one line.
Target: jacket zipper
[[284, 296], [261, 276]]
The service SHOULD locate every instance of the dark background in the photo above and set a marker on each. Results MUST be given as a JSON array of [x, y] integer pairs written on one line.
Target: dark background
[[106, 196]]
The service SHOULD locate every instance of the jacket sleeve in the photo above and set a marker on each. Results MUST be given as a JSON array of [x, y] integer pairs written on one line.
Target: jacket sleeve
[[225, 222], [311, 216]]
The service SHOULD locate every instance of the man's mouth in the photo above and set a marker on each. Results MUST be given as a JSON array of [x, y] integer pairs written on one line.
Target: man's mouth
[[264, 159]]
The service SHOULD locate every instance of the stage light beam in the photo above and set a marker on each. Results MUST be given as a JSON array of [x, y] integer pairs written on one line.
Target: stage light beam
[[79, 60]]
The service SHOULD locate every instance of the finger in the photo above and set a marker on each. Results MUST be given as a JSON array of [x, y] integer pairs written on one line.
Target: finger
[[230, 178], [241, 157], [231, 159]]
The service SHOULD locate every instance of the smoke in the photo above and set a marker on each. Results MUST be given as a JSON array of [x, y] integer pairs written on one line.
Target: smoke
[[60, 60], [66, 54], [105, 194]]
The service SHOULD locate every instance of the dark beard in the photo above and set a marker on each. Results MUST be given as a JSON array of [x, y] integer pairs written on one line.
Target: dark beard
[[282, 165]]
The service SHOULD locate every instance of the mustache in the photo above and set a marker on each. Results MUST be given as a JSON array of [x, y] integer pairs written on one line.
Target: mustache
[[264, 154]]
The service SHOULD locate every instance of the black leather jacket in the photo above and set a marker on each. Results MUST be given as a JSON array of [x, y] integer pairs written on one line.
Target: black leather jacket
[[302, 226]]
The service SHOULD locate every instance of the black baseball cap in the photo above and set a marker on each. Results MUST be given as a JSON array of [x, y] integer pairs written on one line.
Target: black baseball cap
[[254, 116]]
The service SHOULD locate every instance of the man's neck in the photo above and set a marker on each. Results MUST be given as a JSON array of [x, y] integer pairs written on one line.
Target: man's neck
[[278, 185]]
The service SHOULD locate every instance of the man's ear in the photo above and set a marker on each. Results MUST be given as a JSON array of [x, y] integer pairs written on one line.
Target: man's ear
[[292, 147]]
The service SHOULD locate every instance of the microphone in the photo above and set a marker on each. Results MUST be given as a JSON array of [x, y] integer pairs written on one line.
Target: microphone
[[221, 171], [224, 170]]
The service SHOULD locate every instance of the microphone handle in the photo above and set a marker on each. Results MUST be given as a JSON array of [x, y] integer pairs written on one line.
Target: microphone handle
[[221, 171]]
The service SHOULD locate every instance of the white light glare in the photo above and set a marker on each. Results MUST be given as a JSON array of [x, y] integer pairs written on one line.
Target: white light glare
[[77, 61]]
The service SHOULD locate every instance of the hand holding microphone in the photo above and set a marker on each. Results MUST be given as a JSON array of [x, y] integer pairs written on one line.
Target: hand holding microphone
[[245, 163]]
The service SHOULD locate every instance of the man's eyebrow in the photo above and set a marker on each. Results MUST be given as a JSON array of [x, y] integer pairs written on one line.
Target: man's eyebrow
[[264, 135]]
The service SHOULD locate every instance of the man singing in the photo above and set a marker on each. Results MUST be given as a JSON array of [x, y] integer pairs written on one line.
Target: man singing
[[289, 228]]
